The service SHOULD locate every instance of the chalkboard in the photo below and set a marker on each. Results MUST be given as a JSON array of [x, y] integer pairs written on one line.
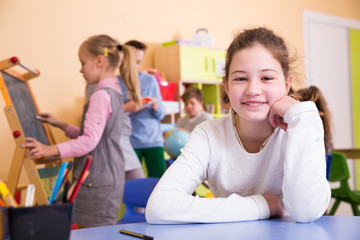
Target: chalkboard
[[25, 108]]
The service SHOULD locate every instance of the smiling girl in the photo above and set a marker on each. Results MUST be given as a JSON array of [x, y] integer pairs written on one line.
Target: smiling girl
[[262, 160]]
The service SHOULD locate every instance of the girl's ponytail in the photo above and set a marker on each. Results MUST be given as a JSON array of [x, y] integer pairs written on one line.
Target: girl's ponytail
[[129, 74]]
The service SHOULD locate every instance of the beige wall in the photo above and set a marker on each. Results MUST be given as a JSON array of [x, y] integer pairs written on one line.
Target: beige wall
[[46, 34]]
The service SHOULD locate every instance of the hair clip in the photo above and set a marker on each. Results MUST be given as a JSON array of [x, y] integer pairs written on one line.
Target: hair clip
[[119, 47], [106, 52]]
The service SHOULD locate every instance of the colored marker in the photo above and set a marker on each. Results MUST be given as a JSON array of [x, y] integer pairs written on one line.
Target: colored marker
[[2, 204], [58, 182], [6, 195], [71, 190], [30, 192], [81, 179], [138, 235], [66, 190], [66, 174], [77, 187]]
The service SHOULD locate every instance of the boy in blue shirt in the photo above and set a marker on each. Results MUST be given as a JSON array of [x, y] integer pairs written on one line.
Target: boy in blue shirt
[[147, 137]]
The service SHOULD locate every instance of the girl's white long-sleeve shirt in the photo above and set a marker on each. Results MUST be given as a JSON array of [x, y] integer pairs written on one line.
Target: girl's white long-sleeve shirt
[[291, 166]]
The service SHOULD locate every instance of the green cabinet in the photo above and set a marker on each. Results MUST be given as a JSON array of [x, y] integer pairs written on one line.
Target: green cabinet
[[190, 63], [200, 64], [193, 65]]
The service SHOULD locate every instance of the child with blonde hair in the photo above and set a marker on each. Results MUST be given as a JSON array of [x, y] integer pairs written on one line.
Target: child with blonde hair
[[128, 69], [99, 198]]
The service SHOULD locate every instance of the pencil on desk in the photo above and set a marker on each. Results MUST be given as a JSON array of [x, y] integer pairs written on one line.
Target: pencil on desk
[[138, 235]]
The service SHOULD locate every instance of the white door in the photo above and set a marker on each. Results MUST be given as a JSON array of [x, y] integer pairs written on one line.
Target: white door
[[327, 58]]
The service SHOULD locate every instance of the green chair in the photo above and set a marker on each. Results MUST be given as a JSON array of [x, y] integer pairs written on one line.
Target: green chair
[[340, 173]]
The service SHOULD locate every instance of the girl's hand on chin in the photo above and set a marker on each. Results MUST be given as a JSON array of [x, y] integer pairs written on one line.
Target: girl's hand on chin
[[278, 110]]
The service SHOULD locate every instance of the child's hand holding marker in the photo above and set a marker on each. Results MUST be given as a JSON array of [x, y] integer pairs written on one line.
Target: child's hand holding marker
[[150, 101], [50, 119], [37, 149], [146, 100]]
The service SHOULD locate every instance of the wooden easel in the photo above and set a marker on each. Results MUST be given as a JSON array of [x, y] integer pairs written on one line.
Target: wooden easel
[[14, 113]]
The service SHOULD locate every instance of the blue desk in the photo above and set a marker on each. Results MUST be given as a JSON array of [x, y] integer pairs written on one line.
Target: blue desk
[[327, 227]]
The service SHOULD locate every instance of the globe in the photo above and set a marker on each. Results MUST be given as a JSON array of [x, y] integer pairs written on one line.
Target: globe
[[175, 141]]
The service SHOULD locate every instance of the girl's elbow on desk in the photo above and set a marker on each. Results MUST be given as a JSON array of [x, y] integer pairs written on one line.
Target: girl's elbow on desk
[[155, 215], [308, 213], [306, 218], [154, 212], [160, 209]]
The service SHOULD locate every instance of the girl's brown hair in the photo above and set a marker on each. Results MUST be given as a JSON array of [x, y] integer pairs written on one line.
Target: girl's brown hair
[[266, 37], [313, 93]]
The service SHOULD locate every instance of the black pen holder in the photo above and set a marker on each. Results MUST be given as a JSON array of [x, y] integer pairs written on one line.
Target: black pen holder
[[37, 223]]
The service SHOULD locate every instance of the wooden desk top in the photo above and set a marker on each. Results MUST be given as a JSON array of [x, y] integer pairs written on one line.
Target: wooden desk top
[[352, 153]]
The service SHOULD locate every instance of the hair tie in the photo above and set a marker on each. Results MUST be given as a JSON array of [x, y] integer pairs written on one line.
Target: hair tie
[[119, 47], [106, 52]]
